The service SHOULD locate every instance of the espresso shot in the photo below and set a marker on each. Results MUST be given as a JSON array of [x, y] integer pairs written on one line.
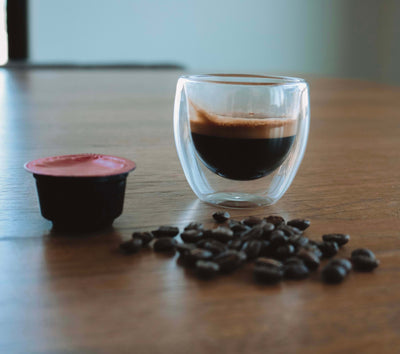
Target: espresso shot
[[241, 146]]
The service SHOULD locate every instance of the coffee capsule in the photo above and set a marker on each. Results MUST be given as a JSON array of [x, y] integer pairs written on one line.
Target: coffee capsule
[[82, 192]]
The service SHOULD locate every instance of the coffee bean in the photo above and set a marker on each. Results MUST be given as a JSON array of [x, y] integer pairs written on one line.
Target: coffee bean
[[221, 216], [365, 252], [345, 263], [206, 269], [242, 256], [165, 244], [333, 273], [295, 271], [268, 262], [293, 260], [284, 251], [194, 226], [237, 227], [252, 221], [268, 275], [275, 219], [301, 224], [215, 247], [310, 259], [222, 234], [299, 242], [364, 260], [290, 230], [328, 249], [131, 246], [196, 254], [313, 247], [207, 233], [192, 235], [146, 237], [166, 231], [364, 264], [278, 238], [255, 233], [228, 261], [267, 229], [235, 244], [251, 248], [184, 248], [340, 239], [266, 249]]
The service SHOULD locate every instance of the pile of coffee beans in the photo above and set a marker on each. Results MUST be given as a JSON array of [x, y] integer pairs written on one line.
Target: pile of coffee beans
[[278, 249]]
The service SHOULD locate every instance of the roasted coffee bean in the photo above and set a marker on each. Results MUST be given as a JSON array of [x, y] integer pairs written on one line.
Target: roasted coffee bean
[[296, 270], [206, 269], [235, 244], [290, 230], [194, 226], [266, 249], [197, 254], [242, 256], [204, 241], [365, 252], [165, 244], [267, 229], [221, 216], [345, 263], [340, 239], [131, 246], [252, 221], [268, 275], [364, 260], [312, 246], [333, 274], [310, 259], [364, 264], [222, 234], [301, 224], [166, 231], [251, 248], [293, 260], [284, 251], [299, 242], [228, 261], [268, 262], [215, 247], [293, 239], [191, 236], [207, 233], [278, 238], [184, 248], [237, 227], [328, 249], [255, 233], [275, 219], [146, 237]]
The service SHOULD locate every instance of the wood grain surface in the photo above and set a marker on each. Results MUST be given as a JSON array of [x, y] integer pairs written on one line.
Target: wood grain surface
[[63, 293]]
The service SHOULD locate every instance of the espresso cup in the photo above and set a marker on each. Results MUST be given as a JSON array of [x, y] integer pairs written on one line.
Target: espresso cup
[[240, 138]]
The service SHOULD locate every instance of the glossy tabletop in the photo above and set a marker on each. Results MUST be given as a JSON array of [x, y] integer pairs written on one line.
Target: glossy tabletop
[[64, 293]]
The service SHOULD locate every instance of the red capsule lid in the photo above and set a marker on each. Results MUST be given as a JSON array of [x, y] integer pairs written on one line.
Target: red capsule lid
[[80, 165]]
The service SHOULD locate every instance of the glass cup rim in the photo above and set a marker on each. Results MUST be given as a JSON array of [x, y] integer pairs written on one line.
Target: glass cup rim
[[245, 79]]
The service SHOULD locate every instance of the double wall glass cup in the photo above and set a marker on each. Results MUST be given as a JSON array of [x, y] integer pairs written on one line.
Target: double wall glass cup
[[240, 138]]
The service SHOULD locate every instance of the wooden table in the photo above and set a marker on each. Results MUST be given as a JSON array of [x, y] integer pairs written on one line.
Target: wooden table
[[61, 293]]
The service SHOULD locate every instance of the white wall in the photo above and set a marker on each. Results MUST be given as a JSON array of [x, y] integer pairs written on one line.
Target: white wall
[[326, 37]]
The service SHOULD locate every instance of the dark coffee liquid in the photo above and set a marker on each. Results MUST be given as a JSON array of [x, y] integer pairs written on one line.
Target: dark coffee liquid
[[242, 159]]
